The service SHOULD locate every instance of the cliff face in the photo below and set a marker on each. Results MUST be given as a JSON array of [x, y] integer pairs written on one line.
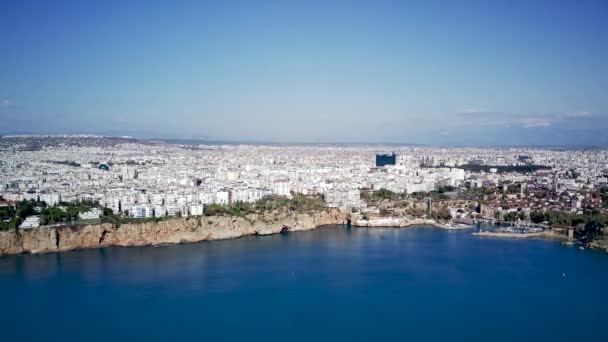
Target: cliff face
[[54, 239]]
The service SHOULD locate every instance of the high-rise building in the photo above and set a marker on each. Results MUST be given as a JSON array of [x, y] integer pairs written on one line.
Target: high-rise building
[[386, 159]]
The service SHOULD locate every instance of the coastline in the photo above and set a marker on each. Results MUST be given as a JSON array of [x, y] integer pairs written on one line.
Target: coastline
[[548, 234], [514, 235], [173, 231], [595, 245], [49, 239], [400, 222]]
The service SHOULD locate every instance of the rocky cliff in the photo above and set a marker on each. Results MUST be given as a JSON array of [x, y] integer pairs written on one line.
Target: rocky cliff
[[182, 230]]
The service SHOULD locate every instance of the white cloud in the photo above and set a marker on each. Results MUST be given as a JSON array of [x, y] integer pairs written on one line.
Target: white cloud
[[484, 117], [533, 122], [474, 110], [580, 114]]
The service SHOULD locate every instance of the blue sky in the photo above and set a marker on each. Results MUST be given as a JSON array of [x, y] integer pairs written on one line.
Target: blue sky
[[425, 72]]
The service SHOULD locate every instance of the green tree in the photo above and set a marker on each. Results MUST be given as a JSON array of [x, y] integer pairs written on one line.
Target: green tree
[[213, 210], [511, 216]]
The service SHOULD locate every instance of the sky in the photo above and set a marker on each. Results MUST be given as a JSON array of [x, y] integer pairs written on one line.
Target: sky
[[411, 72]]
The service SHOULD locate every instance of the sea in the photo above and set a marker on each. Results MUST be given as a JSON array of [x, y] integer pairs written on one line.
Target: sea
[[334, 283]]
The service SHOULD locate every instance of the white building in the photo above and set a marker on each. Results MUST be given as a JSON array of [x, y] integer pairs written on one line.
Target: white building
[[160, 211], [128, 173], [140, 211], [196, 210], [142, 198], [343, 198], [206, 197], [183, 209], [222, 197], [112, 203], [50, 199], [30, 222], [30, 196], [156, 199], [173, 210], [424, 186], [281, 188], [94, 213]]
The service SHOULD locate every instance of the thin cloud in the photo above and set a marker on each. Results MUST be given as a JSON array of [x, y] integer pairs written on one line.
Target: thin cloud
[[474, 110], [486, 118], [581, 114], [534, 122], [6, 103], [527, 120]]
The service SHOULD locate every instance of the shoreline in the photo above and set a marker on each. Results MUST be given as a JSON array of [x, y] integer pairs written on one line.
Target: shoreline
[[594, 245], [49, 239], [399, 222], [547, 234], [514, 235], [54, 239], [174, 231]]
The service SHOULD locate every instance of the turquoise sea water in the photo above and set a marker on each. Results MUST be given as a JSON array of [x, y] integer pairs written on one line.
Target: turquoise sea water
[[333, 283]]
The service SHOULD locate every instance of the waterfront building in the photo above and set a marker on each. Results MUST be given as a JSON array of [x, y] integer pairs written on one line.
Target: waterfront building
[[196, 210], [222, 197], [30, 222], [140, 211], [172, 210], [94, 213], [343, 198], [160, 211], [281, 188]]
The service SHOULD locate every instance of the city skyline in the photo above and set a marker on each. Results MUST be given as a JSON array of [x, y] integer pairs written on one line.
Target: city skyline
[[244, 170], [469, 73]]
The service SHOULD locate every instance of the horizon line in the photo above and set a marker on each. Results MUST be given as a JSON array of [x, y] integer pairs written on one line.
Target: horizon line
[[214, 141]]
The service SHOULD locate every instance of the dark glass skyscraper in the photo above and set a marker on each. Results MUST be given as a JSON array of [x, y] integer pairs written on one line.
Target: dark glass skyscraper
[[386, 159]]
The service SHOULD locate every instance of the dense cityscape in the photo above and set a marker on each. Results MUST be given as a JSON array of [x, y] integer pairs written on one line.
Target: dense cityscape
[[57, 180], [304, 170]]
